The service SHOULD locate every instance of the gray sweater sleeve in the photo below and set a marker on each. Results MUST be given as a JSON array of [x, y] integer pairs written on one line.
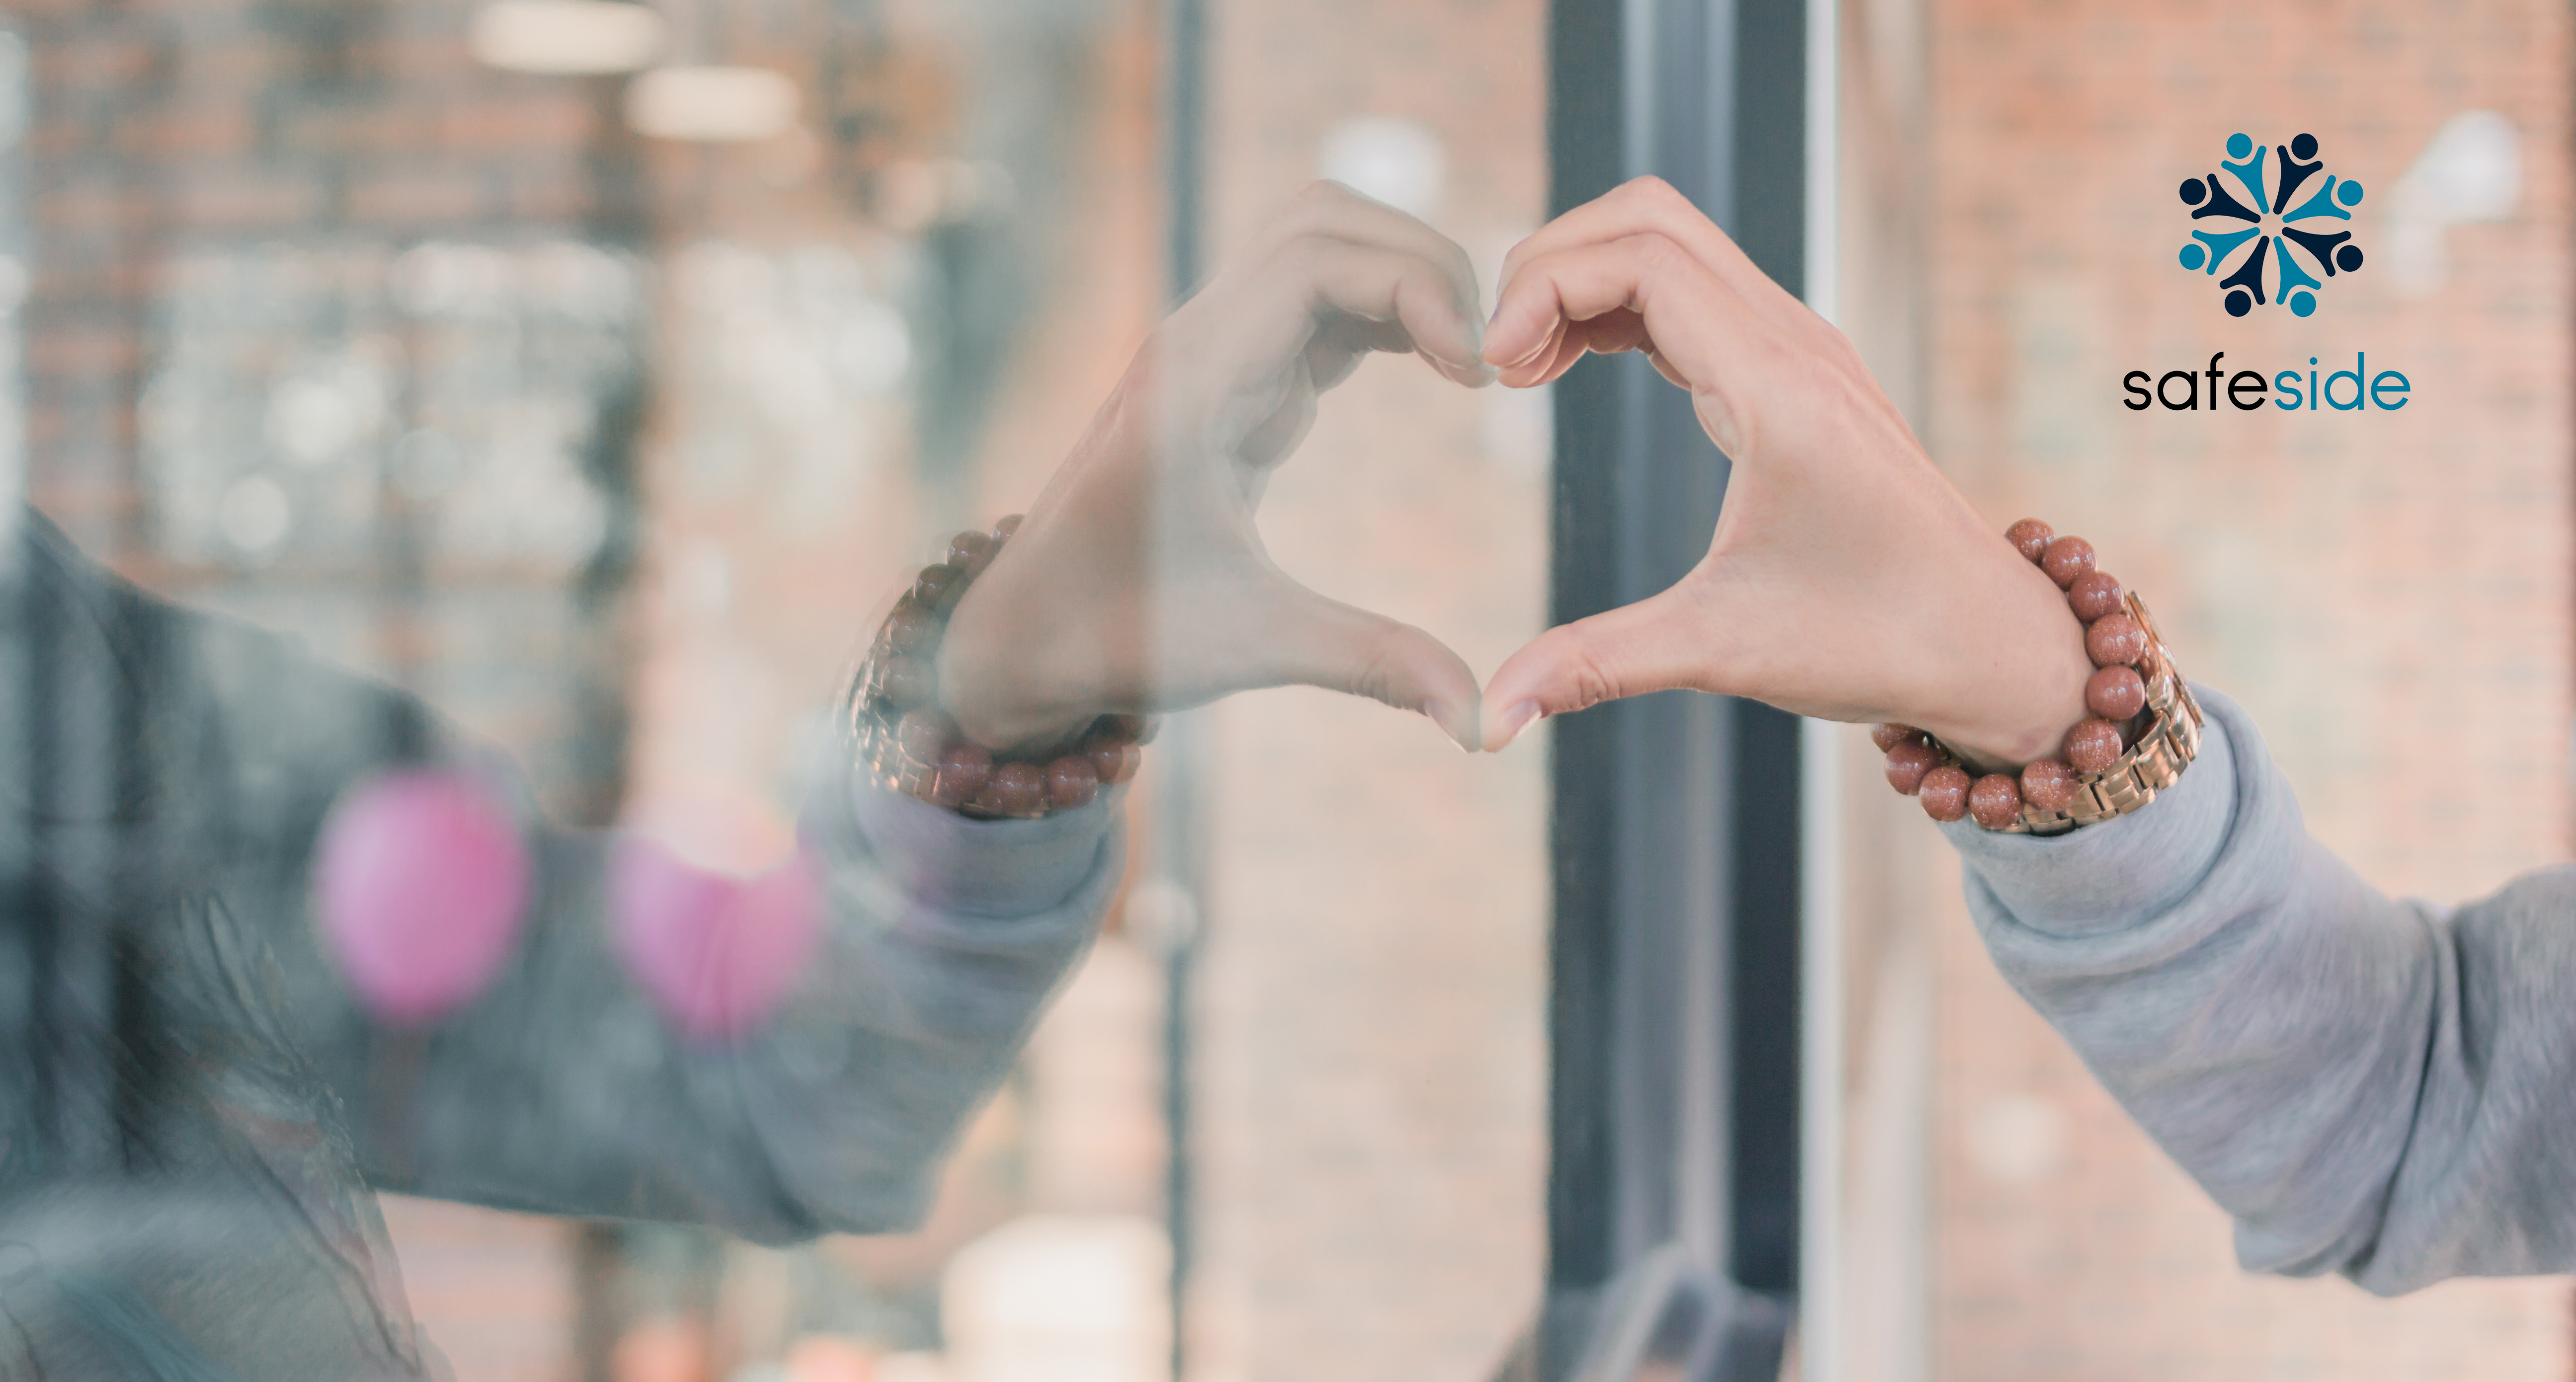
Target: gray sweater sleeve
[[562, 1087], [2369, 1086], [564, 1091]]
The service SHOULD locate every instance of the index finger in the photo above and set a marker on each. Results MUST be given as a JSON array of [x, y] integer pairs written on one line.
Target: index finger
[[1280, 305], [1698, 325], [1651, 206], [1336, 211]]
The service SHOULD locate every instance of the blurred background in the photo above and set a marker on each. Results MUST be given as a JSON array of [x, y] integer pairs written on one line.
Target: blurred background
[[597, 369]]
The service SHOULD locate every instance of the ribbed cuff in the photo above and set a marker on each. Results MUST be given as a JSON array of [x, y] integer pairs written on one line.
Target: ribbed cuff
[[2120, 873], [996, 868]]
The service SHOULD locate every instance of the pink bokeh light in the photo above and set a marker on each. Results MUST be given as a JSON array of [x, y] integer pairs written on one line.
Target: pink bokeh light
[[421, 882], [717, 953]]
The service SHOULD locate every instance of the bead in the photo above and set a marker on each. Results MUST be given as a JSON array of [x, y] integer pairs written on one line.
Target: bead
[[1889, 736], [937, 587], [1908, 762], [909, 682], [963, 771], [2115, 693], [1945, 793], [1115, 762], [2048, 784], [2093, 746], [1008, 525], [1995, 800], [2066, 559], [969, 552], [2094, 594], [2030, 538], [1071, 782], [924, 735], [1017, 789], [2115, 640], [912, 627]]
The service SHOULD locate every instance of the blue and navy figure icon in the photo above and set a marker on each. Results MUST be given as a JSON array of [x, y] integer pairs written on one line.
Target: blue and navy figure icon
[[2272, 224]]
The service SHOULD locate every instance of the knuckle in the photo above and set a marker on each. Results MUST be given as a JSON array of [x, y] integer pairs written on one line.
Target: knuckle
[[1587, 681], [1652, 248], [1325, 194], [1650, 190], [1374, 675], [1307, 211]]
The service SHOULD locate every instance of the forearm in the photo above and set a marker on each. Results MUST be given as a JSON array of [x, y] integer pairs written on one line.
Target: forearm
[[964, 930], [571, 1088], [2367, 1087]]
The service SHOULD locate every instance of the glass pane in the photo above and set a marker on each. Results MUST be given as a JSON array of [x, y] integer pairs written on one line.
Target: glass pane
[[453, 918]]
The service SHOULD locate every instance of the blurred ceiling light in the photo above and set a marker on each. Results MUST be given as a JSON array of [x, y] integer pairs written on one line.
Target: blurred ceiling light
[[713, 104], [2469, 172], [254, 514], [566, 37], [1397, 161]]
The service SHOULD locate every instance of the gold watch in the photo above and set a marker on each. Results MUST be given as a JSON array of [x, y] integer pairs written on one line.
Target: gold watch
[[2158, 751]]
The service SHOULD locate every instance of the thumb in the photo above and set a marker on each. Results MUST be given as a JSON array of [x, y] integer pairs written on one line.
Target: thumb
[[1316, 641], [1660, 643]]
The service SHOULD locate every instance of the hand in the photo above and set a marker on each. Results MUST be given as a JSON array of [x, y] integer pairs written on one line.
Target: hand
[[1138, 582], [1847, 579]]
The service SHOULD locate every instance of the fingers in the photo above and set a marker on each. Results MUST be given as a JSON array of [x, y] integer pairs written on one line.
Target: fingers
[[1614, 331], [1650, 206], [1638, 292], [1658, 644], [1314, 641], [1367, 297], [1310, 235], [1334, 211]]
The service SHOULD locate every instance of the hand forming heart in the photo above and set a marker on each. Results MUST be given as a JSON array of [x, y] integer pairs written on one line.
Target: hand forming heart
[[1138, 582], [1847, 578]]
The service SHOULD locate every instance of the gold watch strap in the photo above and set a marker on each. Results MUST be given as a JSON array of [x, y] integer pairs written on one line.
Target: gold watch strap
[[2160, 750]]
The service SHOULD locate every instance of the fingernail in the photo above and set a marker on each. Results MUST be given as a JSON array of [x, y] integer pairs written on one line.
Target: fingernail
[[1545, 340], [1473, 367], [1456, 722], [1510, 726]]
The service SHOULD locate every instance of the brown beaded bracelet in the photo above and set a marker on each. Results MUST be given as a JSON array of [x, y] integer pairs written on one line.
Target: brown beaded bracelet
[[908, 745], [2145, 727]]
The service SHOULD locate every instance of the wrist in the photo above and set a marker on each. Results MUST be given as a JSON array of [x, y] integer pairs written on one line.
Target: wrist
[[1008, 681], [2140, 730], [1019, 757], [1033, 646], [2015, 683]]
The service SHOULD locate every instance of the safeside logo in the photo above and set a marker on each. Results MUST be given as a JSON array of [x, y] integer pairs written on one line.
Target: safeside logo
[[2278, 235], [2270, 221]]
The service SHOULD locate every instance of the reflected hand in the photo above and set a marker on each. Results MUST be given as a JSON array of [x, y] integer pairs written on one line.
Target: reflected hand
[[1847, 579], [1138, 582]]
